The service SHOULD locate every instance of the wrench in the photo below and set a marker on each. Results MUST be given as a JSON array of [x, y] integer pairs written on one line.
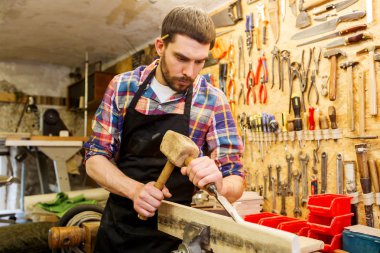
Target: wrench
[[270, 176], [304, 160], [289, 160], [296, 176], [278, 170], [339, 174], [265, 186], [283, 195], [324, 172], [273, 195]]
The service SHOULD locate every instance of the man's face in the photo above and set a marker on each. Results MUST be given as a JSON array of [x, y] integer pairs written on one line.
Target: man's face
[[181, 62]]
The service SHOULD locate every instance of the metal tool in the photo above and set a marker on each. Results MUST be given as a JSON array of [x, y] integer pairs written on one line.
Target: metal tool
[[277, 57], [339, 174], [289, 161], [333, 54], [270, 176], [349, 40], [324, 17], [343, 32], [297, 118], [274, 204], [334, 6], [284, 187], [303, 18], [228, 16], [211, 188], [297, 177], [285, 59], [248, 31], [324, 158], [371, 49], [196, 238], [305, 69], [241, 57], [328, 26], [250, 83], [365, 181], [313, 86], [304, 160], [278, 170], [349, 65]]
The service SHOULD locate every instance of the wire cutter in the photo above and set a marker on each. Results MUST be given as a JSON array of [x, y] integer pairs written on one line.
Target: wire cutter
[[313, 86], [250, 83], [262, 63], [305, 69], [263, 90]]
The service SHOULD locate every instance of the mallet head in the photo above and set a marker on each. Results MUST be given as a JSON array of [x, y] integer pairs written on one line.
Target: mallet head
[[333, 52], [348, 64], [177, 147]]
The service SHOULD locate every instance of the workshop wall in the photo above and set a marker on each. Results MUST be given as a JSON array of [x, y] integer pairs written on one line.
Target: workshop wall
[[36, 80], [278, 102]]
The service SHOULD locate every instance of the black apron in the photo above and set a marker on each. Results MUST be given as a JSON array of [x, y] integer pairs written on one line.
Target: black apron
[[140, 158]]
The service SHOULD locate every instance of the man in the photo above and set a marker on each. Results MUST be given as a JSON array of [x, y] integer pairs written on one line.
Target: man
[[137, 109]]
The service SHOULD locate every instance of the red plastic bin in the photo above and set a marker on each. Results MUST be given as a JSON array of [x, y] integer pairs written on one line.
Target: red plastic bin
[[331, 242], [304, 231], [294, 226], [273, 222], [255, 218], [328, 225], [329, 205]]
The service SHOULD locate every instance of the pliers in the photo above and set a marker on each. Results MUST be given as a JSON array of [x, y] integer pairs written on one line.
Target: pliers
[[305, 69], [263, 90], [263, 78], [250, 83], [313, 86]]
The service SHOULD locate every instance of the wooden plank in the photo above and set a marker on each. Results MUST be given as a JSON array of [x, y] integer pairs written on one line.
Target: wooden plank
[[58, 138], [43, 143], [229, 236], [18, 135]]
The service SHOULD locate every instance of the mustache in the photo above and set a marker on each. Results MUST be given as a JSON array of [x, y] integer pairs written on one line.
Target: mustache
[[184, 79]]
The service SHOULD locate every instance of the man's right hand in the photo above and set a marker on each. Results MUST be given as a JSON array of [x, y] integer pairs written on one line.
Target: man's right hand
[[147, 199]]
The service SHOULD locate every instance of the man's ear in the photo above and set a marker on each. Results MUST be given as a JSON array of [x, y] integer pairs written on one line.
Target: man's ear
[[160, 46]]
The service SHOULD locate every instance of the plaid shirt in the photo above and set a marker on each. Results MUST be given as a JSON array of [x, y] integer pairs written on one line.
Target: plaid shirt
[[211, 127]]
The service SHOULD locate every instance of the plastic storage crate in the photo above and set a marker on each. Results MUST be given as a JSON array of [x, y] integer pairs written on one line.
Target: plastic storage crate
[[331, 242], [328, 225], [273, 222], [255, 218], [294, 226], [355, 242], [329, 205]]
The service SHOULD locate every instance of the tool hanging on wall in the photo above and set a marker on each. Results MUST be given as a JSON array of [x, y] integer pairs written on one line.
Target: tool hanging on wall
[[303, 18], [328, 26], [350, 182], [285, 59], [365, 181], [262, 63], [334, 6], [277, 57], [273, 18], [349, 65], [262, 17], [343, 32], [228, 16], [371, 50], [333, 54], [349, 40], [222, 76], [241, 57], [248, 32], [250, 83], [231, 88]]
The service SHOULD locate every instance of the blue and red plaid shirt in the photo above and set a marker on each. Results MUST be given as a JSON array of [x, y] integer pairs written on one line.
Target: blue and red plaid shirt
[[211, 122]]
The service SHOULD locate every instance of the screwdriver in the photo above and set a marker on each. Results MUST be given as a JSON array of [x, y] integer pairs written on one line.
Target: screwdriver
[[264, 124], [250, 136], [296, 103], [260, 131], [317, 130], [324, 124], [311, 123]]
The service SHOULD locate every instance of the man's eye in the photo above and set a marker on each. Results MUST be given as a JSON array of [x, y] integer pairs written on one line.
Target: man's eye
[[200, 62]]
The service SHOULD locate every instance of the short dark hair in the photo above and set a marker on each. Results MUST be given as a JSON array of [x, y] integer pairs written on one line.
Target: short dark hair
[[190, 21]]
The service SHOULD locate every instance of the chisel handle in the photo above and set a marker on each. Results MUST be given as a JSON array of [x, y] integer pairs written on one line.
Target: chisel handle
[[312, 3]]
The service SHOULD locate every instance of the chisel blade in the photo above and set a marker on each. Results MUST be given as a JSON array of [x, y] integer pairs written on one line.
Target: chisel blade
[[211, 188]]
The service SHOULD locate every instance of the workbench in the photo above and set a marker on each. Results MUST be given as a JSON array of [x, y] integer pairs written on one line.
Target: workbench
[[58, 149]]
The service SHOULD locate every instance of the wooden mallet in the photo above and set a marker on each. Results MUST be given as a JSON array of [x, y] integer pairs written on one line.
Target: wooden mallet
[[180, 151]]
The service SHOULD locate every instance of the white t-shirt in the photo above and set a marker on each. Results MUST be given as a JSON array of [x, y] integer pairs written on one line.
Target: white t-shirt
[[163, 92]]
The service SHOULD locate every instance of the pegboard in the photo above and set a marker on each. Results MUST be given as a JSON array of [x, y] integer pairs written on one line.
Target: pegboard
[[278, 102]]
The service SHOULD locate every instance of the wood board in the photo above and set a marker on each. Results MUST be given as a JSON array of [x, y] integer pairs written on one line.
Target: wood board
[[229, 236]]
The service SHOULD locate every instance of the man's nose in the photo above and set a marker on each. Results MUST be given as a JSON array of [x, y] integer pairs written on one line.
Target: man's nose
[[188, 69]]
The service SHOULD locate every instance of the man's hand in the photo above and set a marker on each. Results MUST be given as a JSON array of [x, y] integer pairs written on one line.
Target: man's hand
[[148, 198], [202, 171]]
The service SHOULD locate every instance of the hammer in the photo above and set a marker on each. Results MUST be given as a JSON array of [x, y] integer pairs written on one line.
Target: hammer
[[349, 65], [372, 77], [333, 54], [180, 151]]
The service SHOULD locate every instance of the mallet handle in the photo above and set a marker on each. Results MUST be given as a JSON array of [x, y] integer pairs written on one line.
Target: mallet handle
[[161, 181]]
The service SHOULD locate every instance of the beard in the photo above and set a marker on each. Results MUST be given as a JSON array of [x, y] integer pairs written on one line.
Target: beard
[[178, 84]]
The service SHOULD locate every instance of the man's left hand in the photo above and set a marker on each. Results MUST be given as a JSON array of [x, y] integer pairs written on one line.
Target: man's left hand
[[202, 171]]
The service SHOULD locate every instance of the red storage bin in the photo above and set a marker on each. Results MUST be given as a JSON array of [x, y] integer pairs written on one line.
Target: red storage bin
[[329, 205], [328, 225], [294, 226], [255, 218], [304, 231], [274, 221], [331, 242]]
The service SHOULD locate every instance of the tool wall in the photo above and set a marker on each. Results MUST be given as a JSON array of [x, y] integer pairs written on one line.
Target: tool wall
[[304, 120]]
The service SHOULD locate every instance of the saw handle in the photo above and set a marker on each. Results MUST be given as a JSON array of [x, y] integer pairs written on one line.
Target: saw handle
[[312, 3], [332, 85]]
